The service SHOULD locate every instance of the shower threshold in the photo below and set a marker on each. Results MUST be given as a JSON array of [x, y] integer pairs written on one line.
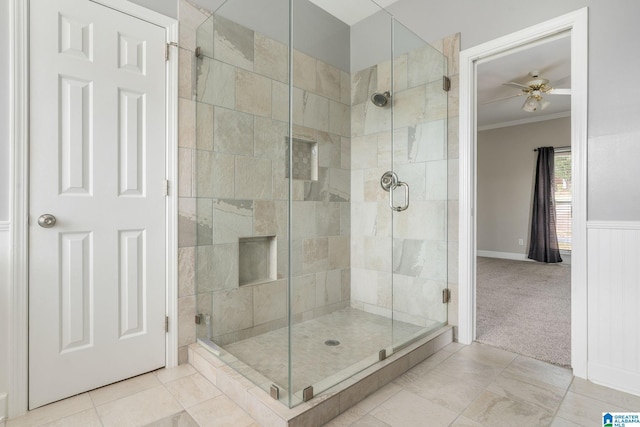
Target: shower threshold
[[325, 405]]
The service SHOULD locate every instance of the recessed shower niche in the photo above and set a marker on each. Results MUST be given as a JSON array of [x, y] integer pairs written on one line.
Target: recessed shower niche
[[305, 160], [257, 260]]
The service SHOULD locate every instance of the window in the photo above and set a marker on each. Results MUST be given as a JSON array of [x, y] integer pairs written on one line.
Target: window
[[563, 190]]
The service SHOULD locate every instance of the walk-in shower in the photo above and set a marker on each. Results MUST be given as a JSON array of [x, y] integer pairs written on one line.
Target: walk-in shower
[[307, 271]]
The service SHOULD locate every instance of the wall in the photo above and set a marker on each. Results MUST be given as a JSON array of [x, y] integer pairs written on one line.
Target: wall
[[506, 172], [613, 127], [165, 7], [4, 114], [413, 245], [233, 158], [5, 291], [316, 32]]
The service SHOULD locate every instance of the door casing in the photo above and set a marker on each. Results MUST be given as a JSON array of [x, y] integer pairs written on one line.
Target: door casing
[[19, 173], [576, 23]]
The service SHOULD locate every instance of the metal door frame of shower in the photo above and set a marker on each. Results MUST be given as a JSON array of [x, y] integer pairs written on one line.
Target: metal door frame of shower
[[577, 24]]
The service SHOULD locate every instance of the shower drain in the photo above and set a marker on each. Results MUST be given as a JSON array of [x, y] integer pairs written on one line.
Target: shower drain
[[332, 343]]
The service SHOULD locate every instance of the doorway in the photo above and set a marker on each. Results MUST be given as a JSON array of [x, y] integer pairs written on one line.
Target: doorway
[[576, 24], [523, 306]]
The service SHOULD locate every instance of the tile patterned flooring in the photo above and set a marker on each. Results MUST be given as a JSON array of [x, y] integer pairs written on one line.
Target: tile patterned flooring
[[360, 334], [474, 385]]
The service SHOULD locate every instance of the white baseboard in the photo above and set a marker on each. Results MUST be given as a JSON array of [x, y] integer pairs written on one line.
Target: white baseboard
[[617, 379], [566, 257], [504, 255]]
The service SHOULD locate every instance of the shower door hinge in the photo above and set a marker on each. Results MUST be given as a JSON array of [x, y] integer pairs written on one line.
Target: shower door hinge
[[166, 50], [274, 391], [446, 83], [446, 296], [166, 323], [307, 394], [165, 188]]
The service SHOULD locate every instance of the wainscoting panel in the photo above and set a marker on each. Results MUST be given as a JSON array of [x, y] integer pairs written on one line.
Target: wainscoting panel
[[5, 320], [614, 304]]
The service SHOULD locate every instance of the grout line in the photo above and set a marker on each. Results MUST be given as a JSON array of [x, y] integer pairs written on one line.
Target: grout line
[[99, 418], [95, 409], [555, 414]]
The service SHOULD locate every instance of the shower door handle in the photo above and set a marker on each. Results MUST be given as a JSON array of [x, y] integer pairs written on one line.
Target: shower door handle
[[406, 197], [389, 182]]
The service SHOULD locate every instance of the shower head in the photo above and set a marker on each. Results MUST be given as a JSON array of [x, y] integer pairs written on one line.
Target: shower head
[[381, 99]]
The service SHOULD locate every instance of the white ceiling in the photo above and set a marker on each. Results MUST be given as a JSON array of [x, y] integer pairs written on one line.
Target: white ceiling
[[352, 11], [551, 58]]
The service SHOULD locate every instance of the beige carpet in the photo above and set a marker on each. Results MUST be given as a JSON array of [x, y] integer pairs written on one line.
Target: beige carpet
[[525, 307]]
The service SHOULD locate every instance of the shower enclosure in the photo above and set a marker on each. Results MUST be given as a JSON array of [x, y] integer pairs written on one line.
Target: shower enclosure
[[321, 191]]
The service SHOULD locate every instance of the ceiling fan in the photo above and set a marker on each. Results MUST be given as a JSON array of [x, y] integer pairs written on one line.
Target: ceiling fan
[[534, 89]]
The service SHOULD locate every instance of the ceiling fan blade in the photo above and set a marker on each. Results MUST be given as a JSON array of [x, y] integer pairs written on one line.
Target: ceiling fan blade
[[501, 99], [558, 91], [518, 85]]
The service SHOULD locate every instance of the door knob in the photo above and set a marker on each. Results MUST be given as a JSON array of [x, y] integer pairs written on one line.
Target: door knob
[[46, 221]]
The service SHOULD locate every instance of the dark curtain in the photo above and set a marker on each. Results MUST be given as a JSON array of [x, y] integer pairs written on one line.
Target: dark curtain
[[543, 244]]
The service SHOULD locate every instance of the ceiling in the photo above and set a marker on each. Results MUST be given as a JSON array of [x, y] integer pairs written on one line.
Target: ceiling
[[551, 58], [352, 11]]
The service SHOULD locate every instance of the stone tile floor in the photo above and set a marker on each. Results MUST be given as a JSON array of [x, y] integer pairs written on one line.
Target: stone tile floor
[[460, 385], [359, 333]]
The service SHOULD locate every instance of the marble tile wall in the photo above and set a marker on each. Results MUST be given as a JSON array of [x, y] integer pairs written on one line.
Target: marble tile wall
[[233, 181], [418, 246], [241, 138]]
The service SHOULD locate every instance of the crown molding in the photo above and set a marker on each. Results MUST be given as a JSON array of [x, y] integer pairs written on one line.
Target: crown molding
[[535, 119]]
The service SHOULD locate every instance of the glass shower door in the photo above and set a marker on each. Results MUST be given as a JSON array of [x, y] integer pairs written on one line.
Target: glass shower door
[[306, 269], [418, 199], [242, 188], [341, 268]]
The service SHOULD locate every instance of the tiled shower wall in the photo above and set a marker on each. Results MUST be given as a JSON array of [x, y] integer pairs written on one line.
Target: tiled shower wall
[[322, 249], [425, 235], [233, 184]]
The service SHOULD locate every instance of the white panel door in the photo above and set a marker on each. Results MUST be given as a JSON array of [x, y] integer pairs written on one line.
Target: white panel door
[[97, 164]]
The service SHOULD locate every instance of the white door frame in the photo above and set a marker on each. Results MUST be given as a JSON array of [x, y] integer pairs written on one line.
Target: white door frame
[[19, 173], [577, 23]]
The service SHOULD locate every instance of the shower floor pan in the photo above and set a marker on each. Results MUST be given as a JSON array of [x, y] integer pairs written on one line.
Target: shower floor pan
[[264, 359]]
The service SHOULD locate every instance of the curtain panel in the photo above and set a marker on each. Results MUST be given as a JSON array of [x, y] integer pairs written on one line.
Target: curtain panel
[[543, 244]]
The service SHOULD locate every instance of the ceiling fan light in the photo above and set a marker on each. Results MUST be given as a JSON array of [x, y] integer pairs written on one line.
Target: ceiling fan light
[[531, 105]]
